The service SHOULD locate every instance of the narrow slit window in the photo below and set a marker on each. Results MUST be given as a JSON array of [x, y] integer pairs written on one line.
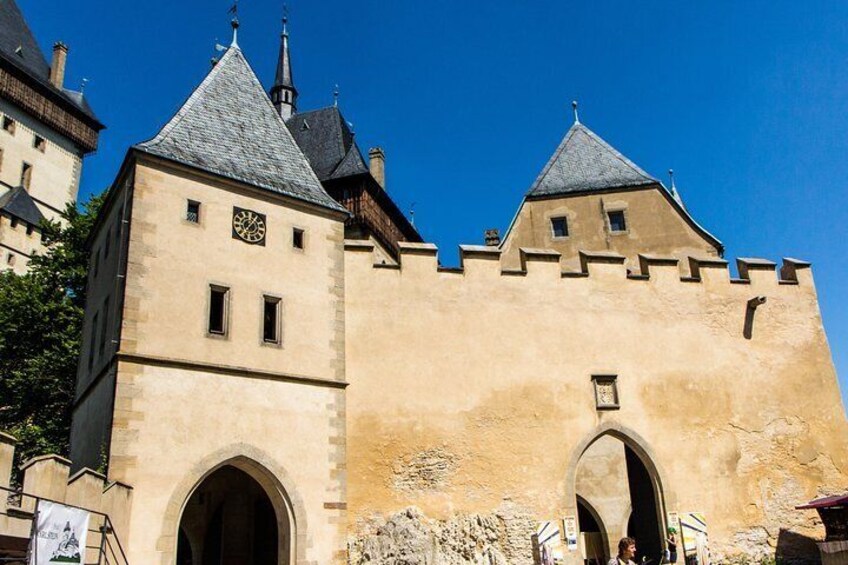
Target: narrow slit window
[[103, 327], [9, 124], [617, 221], [218, 298], [92, 341], [39, 143], [271, 319], [559, 227], [193, 212], [297, 238], [26, 175]]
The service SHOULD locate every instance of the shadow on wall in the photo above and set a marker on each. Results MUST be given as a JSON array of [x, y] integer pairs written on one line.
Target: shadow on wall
[[793, 547]]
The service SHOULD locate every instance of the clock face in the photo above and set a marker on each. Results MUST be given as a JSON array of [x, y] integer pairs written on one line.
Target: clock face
[[249, 226]]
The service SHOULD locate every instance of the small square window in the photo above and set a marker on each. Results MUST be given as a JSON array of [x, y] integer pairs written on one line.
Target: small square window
[[193, 212], [271, 319], [39, 143], [9, 124], [30, 229], [218, 306], [606, 392], [26, 175], [13, 222], [617, 221], [297, 238], [559, 227], [10, 259]]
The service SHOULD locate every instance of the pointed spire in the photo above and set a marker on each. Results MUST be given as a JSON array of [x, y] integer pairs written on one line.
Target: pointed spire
[[574, 108], [284, 93], [336, 96], [673, 189]]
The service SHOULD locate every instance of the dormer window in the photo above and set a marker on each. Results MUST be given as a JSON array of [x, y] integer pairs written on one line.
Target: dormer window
[[559, 227], [617, 221]]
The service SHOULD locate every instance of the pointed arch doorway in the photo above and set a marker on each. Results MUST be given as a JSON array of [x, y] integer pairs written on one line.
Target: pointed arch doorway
[[230, 519], [617, 489]]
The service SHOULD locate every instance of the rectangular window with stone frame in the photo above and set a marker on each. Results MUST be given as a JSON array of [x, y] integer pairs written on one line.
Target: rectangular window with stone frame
[[606, 392]]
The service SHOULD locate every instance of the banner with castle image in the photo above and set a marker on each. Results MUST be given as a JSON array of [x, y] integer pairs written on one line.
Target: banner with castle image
[[60, 534]]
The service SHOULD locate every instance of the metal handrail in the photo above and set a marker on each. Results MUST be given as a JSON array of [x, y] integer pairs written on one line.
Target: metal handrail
[[106, 529]]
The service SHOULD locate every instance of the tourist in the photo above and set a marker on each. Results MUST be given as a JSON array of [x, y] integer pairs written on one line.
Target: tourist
[[626, 552], [671, 540]]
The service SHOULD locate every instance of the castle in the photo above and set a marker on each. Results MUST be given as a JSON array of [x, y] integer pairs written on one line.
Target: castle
[[47, 129], [284, 373]]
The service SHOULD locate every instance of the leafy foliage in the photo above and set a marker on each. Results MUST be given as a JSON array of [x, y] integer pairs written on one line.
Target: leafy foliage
[[41, 316]]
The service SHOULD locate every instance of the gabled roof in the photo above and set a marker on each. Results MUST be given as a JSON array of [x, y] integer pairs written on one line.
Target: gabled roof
[[585, 162], [325, 138], [229, 127], [19, 47], [18, 203]]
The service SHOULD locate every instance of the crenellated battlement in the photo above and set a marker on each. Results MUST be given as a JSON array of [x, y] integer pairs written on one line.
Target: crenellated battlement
[[48, 477], [482, 261]]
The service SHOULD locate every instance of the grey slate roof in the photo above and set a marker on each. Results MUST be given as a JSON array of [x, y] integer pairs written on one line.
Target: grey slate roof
[[18, 203], [325, 138], [19, 47], [229, 127], [584, 162]]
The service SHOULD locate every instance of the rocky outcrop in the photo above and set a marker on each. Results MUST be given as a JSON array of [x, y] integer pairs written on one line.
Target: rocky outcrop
[[411, 538]]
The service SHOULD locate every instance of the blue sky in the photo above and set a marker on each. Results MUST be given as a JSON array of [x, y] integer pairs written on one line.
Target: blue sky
[[748, 102]]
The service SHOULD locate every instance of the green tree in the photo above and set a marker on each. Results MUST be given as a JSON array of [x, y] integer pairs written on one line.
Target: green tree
[[41, 316]]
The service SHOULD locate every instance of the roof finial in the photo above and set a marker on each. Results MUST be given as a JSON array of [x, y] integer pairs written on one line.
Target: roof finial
[[285, 19], [574, 108], [82, 85], [673, 189], [234, 22], [336, 96]]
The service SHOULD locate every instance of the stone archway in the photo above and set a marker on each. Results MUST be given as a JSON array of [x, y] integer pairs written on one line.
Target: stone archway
[[642, 477], [594, 537], [273, 481]]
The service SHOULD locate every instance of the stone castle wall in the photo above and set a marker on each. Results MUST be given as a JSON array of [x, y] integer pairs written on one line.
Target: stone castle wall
[[471, 398]]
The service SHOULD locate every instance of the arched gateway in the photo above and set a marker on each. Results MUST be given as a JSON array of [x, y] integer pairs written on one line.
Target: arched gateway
[[236, 513], [617, 489]]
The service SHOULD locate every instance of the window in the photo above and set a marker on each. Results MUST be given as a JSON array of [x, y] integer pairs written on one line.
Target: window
[[103, 327], [559, 227], [9, 124], [218, 306], [26, 175], [617, 222], [107, 244], [92, 341], [297, 238], [1, 159], [10, 259], [13, 222], [39, 143], [30, 229], [193, 212], [606, 392], [271, 319]]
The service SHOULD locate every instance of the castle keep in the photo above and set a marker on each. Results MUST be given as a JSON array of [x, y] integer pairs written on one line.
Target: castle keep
[[284, 373], [47, 129]]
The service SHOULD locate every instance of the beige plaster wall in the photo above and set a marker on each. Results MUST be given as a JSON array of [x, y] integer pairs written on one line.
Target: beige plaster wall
[[173, 427], [477, 390], [653, 226], [56, 171], [172, 262]]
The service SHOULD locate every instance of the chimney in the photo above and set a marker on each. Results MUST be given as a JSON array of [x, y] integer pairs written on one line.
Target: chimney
[[378, 165], [57, 66], [493, 238]]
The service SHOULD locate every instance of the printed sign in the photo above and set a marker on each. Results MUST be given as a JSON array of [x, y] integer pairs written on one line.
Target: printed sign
[[570, 526], [59, 535], [550, 549], [693, 529]]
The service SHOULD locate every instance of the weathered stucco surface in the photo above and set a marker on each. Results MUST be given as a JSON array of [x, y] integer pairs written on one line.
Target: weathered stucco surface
[[477, 387]]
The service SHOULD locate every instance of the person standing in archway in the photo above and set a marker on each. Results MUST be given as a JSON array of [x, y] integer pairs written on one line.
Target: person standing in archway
[[626, 552]]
